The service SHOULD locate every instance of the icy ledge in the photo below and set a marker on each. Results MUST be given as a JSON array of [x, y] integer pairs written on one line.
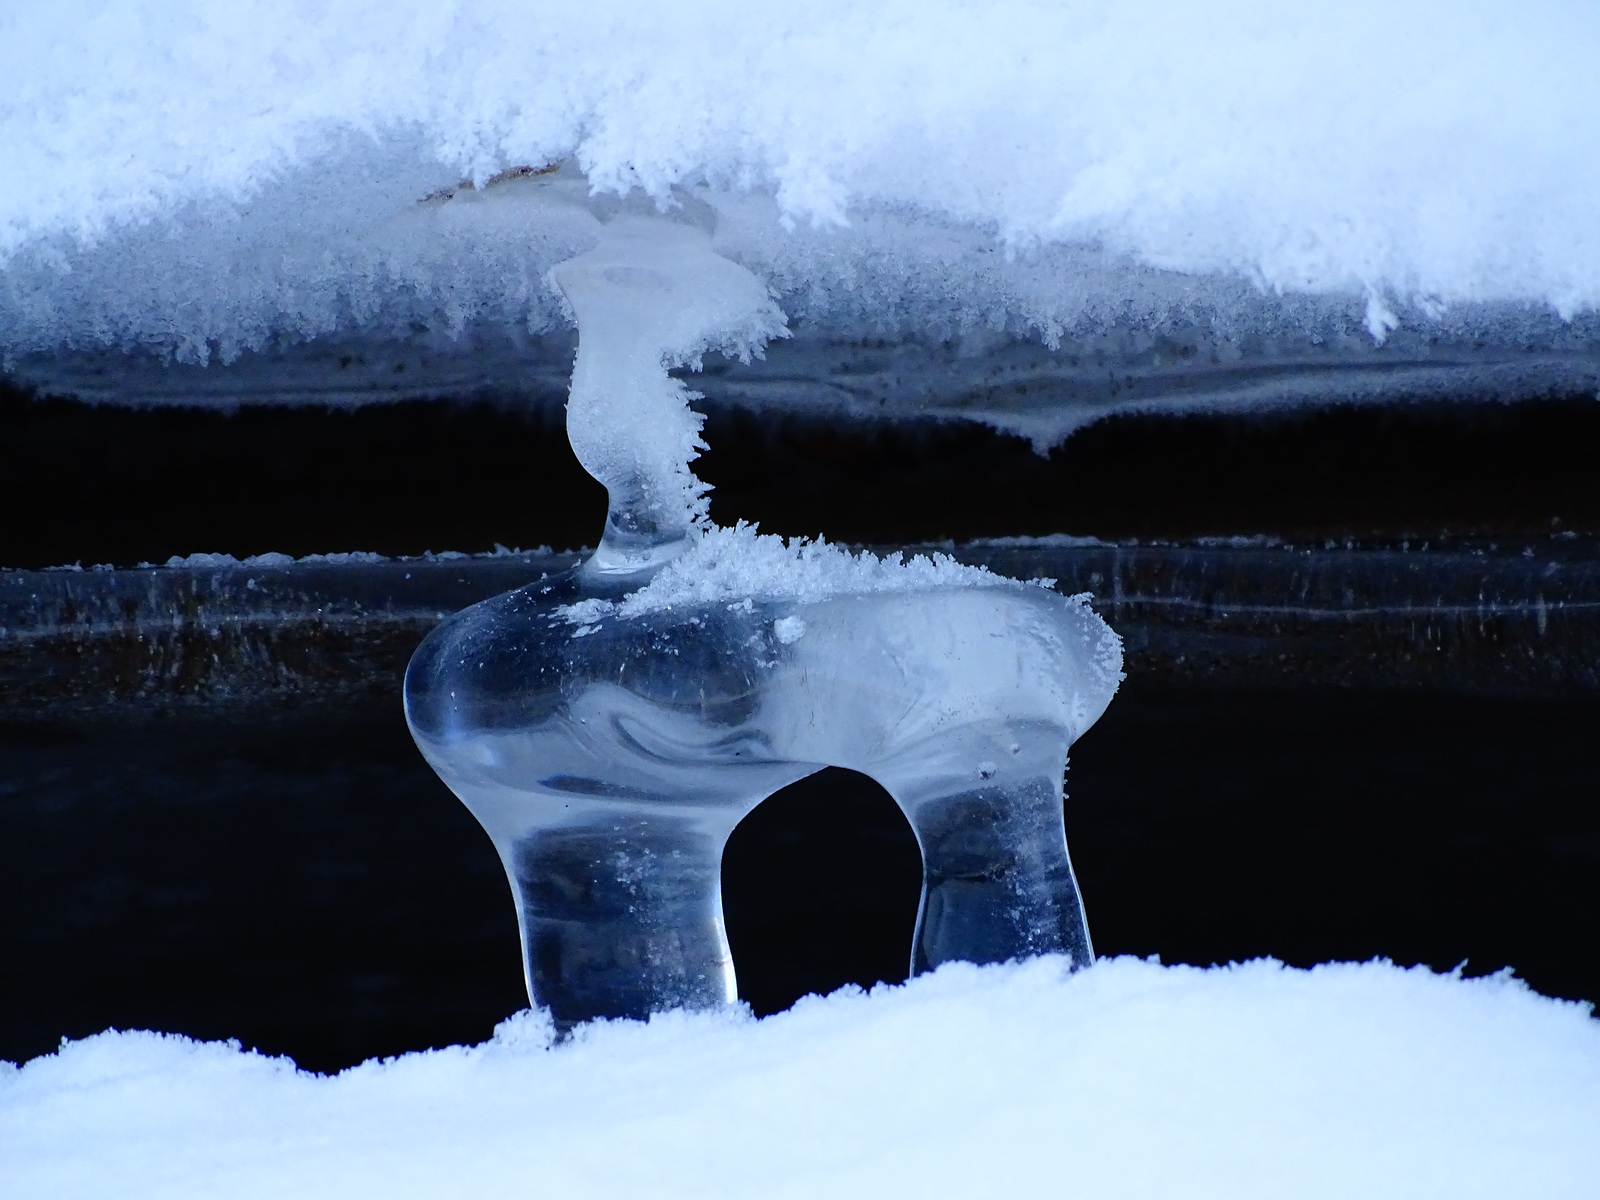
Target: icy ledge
[[1127, 1080]]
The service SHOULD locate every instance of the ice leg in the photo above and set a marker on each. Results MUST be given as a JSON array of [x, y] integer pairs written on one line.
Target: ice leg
[[997, 880], [622, 917]]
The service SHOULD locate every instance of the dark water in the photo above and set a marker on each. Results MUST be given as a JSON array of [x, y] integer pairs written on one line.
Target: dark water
[[309, 888], [305, 884], [102, 484]]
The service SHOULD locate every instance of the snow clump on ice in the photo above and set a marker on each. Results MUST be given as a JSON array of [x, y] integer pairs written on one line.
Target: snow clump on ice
[[738, 563]]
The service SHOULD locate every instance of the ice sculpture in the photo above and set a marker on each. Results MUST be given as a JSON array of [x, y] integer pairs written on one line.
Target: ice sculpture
[[610, 726]]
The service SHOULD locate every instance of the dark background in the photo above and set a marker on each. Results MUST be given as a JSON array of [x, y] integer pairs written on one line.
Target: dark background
[[307, 886], [123, 486], [310, 888]]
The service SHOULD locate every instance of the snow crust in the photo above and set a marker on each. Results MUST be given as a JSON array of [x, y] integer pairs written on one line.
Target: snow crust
[[198, 180], [1126, 1080]]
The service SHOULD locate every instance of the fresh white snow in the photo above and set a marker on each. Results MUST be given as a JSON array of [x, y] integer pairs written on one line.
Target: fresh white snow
[[1126, 1080], [197, 180]]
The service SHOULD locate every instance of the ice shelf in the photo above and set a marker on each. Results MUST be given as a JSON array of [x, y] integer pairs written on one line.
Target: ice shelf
[[1025, 214], [215, 634]]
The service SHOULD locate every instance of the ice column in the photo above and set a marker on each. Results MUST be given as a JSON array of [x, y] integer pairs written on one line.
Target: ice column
[[610, 726], [652, 295]]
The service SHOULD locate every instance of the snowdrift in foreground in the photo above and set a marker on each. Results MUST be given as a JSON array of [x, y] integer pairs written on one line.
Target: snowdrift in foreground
[[200, 180], [1127, 1080]]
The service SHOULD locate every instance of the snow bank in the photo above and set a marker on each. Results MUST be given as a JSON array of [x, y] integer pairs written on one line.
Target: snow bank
[[199, 180], [1127, 1080]]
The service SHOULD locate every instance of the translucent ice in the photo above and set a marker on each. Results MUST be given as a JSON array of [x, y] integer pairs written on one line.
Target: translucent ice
[[609, 756], [651, 295], [610, 726]]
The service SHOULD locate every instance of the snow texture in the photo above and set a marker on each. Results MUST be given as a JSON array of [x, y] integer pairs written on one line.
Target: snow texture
[[737, 563], [197, 180], [1126, 1080]]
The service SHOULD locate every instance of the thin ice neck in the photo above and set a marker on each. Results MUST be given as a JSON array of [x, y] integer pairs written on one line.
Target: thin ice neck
[[652, 294], [637, 541]]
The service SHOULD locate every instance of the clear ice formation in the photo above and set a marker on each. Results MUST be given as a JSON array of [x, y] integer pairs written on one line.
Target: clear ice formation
[[611, 725]]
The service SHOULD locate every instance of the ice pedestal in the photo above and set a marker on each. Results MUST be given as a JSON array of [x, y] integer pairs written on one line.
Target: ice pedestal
[[610, 758], [610, 727]]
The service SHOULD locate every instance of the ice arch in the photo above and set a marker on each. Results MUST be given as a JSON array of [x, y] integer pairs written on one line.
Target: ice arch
[[820, 884]]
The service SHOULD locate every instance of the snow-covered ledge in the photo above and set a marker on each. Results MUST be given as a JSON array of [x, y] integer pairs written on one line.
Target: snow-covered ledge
[[1027, 214]]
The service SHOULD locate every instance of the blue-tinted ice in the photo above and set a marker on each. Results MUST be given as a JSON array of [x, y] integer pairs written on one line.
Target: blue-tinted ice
[[610, 726]]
